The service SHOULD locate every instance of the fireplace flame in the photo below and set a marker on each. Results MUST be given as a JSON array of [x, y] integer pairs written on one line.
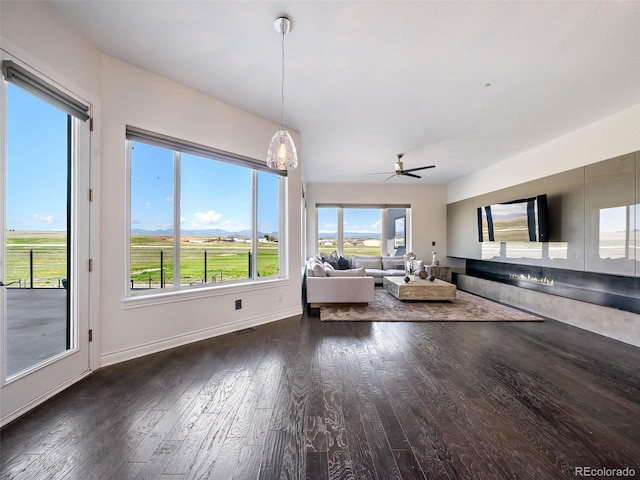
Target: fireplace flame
[[528, 278]]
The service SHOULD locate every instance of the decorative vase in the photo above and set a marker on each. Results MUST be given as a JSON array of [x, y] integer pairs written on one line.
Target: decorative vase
[[423, 273], [434, 262]]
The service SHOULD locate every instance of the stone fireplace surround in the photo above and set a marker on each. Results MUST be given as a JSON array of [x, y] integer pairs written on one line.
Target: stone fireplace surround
[[605, 304]]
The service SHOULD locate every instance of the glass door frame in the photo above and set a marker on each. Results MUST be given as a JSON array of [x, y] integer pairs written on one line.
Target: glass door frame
[[26, 389]]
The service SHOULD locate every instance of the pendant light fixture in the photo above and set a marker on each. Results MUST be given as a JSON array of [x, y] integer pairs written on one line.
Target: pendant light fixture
[[282, 153]]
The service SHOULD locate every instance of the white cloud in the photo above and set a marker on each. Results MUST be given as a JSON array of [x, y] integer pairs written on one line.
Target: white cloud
[[328, 228], [209, 218], [148, 204], [48, 219]]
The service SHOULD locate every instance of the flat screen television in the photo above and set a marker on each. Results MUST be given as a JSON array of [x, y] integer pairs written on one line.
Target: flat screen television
[[522, 220]]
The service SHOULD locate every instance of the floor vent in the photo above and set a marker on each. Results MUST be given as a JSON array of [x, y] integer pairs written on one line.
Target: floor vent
[[244, 330]]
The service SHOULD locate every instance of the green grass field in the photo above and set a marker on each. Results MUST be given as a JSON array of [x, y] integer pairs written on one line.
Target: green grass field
[[49, 258], [350, 250], [508, 230], [226, 261]]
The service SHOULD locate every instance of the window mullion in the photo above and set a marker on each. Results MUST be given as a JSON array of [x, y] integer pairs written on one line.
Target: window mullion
[[340, 231], [176, 219], [384, 241], [254, 225]]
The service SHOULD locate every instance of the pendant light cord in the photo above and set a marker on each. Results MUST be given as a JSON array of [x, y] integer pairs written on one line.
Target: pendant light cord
[[282, 83]]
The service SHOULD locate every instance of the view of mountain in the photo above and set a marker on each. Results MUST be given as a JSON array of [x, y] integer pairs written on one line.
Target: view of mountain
[[215, 232], [351, 235]]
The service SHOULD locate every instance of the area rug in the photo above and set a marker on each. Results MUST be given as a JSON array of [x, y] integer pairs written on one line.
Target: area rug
[[465, 308]]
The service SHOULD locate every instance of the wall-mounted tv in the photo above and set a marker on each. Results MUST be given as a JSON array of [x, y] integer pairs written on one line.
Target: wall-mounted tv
[[522, 220]]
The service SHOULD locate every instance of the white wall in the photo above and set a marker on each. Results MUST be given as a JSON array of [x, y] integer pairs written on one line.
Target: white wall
[[607, 138], [36, 34], [124, 94], [132, 96], [428, 210]]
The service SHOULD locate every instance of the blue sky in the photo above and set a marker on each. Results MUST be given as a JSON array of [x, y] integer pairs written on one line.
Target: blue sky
[[214, 195], [36, 164], [359, 220]]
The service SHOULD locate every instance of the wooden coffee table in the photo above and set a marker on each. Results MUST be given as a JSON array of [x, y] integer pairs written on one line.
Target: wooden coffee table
[[419, 289]]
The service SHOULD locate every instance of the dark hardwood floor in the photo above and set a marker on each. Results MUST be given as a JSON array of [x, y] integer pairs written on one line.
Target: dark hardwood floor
[[300, 399]]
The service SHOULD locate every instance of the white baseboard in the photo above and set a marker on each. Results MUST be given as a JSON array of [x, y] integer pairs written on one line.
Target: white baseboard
[[165, 344], [41, 399]]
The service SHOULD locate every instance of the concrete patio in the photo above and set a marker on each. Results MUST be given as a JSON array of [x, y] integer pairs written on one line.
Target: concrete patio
[[36, 326]]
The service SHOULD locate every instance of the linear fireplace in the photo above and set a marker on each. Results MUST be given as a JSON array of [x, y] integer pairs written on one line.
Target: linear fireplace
[[612, 291]]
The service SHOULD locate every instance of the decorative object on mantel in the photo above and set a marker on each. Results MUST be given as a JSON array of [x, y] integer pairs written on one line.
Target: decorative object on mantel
[[431, 278], [434, 262], [282, 154], [406, 279], [465, 308]]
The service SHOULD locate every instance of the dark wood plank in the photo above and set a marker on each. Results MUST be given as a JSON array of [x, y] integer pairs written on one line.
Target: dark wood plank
[[338, 457], [155, 466], [228, 459], [408, 465], [317, 467], [301, 398], [316, 432], [359, 447], [272, 455], [257, 434], [248, 467]]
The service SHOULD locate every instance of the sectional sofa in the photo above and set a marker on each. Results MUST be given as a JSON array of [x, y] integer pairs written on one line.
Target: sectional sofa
[[336, 279]]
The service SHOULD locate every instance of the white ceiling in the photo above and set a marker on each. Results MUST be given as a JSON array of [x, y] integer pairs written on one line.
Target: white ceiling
[[367, 80]]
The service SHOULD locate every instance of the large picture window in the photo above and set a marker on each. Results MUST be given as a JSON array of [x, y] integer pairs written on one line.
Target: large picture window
[[199, 218], [363, 229]]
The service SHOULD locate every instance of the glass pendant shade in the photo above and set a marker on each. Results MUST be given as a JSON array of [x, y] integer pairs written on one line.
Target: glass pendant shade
[[282, 153]]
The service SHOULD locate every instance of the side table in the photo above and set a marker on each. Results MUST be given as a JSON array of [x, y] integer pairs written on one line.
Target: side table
[[441, 273]]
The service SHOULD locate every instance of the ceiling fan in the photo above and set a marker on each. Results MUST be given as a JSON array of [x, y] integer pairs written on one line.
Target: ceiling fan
[[400, 171]]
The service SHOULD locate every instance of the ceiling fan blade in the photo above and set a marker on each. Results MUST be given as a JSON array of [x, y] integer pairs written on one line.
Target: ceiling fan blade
[[410, 175], [418, 168], [380, 173], [389, 178]]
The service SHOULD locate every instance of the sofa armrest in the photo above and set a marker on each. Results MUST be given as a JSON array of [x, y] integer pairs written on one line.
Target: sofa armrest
[[340, 289]]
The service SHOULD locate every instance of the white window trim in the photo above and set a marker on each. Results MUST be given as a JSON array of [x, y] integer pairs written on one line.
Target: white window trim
[[188, 292]]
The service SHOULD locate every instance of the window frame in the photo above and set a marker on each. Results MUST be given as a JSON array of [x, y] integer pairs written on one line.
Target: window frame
[[176, 291], [384, 211]]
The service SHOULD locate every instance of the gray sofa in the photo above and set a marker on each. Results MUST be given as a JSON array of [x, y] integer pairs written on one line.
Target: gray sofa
[[378, 267], [352, 282]]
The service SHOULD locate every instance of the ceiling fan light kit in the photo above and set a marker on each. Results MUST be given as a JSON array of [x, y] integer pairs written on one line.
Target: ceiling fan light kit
[[282, 154]]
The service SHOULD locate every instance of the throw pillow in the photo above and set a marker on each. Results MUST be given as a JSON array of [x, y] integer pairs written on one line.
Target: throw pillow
[[343, 263], [318, 270], [328, 266], [368, 262], [389, 263], [354, 272], [333, 260]]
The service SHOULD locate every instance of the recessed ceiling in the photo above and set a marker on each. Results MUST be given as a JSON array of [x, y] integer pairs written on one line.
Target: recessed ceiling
[[460, 85]]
